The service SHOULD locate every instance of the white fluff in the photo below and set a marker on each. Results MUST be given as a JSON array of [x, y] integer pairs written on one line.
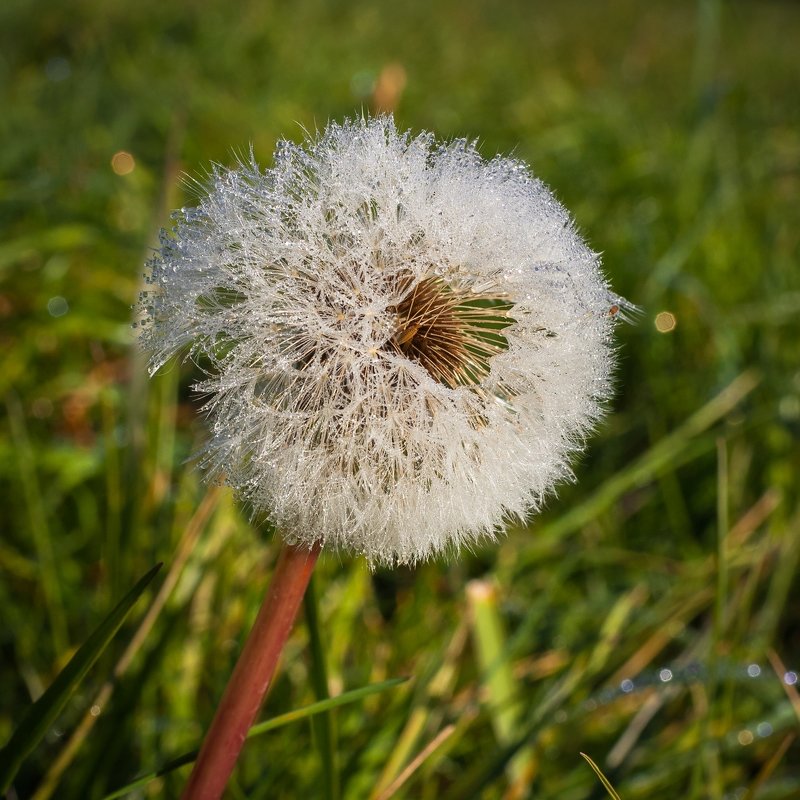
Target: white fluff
[[284, 283]]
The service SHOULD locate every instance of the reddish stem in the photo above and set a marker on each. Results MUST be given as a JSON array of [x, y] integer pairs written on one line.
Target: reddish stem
[[252, 675]]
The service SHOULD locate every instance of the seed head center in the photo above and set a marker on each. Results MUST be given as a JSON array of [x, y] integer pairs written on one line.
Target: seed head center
[[451, 333]]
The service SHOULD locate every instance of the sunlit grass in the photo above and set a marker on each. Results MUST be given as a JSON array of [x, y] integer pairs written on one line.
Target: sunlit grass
[[634, 620]]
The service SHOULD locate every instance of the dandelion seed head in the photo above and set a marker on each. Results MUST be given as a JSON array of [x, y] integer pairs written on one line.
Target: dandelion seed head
[[404, 343]]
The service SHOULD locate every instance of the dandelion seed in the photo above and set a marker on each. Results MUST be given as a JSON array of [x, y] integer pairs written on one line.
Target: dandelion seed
[[404, 342]]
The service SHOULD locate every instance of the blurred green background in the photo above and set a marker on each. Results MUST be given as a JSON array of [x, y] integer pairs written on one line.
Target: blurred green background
[[650, 617]]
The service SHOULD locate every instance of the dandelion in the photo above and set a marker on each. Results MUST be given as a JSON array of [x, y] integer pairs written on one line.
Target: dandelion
[[403, 344]]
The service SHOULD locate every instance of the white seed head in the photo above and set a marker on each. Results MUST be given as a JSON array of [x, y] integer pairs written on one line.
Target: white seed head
[[403, 342]]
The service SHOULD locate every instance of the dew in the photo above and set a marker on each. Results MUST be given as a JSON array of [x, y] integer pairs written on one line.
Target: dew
[[683, 676], [764, 729], [744, 737], [57, 306]]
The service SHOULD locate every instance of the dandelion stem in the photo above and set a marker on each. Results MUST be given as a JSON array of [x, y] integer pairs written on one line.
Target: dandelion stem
[[252, 675]]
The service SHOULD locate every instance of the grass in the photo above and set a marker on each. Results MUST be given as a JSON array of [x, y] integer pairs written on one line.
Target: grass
[[646, 618]]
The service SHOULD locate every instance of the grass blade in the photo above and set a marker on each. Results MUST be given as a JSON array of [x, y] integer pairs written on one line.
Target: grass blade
[[597, 771], [178, 561], [40, 716], [40, 530], [660, 456], [427, 708], [766, 771], [324, 723], [496, 673], [415, 764], [263, 727]]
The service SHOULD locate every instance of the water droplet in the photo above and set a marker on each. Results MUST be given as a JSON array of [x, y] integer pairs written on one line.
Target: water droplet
[[764, 729], [57, 306], [744, 737]]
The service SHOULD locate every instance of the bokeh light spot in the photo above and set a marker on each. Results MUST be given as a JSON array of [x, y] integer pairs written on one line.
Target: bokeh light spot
[[389, 88], [745, 737], [764, 729], [57, 306], [665, 322], [123, 163]]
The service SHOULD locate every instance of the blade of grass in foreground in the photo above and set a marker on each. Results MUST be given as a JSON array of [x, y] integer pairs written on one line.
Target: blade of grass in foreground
[[322, 724], [264, 727], [427, 709], [609, 788], [183, 551], [497, 675], [494, 763], [41, 532], [40, 716]]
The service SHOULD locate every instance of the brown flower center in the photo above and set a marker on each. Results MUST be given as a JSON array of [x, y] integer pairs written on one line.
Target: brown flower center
[[451, 333]]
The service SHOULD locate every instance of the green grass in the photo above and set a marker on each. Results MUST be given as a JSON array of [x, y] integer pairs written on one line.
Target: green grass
[[672, 132]]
